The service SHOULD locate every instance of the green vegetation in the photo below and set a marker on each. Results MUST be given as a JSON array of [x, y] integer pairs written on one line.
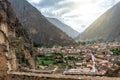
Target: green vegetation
[[37, 44], [71, 58], [116, 51], [45, 60], [50, 59], [92, 41]]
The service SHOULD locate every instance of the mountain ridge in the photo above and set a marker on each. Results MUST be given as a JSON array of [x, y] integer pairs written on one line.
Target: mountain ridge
[[106, 27], [65, 28], [40, 29]]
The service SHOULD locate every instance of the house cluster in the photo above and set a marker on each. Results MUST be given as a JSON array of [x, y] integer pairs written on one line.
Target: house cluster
[[88, 59]]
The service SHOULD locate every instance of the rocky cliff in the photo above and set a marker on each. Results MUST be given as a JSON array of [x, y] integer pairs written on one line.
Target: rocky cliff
[[15, 45]]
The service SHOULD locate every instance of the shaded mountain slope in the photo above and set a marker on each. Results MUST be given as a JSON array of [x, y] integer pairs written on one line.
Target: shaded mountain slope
[[40, 29], [65, 28], [106, 27]]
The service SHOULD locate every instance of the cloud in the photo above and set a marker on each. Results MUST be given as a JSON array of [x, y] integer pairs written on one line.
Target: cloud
[[34, 1], [75, 13]]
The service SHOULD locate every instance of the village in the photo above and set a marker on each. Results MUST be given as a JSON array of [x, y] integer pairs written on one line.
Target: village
[[90, 59]]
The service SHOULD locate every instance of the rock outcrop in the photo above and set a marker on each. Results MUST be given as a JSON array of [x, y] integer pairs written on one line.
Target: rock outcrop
[[15, 44]]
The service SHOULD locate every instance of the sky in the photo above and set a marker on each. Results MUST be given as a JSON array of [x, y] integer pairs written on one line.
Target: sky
[[78, 14]]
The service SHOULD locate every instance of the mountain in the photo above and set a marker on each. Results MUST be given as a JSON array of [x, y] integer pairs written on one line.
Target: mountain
[[42, 32], [106, 27], [65, 28]]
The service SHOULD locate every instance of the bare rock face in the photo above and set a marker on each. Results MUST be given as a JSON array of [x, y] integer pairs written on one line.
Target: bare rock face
[[3, 65], [2, 37], [40, 29], [15, 44]]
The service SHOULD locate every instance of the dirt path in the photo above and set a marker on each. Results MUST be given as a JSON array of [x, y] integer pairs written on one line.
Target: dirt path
[[60, 76]]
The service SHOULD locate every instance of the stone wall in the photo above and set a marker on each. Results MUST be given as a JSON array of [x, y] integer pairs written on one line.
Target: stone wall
[[31, 77]]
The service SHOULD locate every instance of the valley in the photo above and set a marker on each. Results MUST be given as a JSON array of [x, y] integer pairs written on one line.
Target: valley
[[32, 48], [91, 59]]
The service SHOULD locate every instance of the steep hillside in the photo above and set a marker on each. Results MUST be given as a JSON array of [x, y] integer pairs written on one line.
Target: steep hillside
[[106, 27], [40, 29], [65, 28], [15, 46]]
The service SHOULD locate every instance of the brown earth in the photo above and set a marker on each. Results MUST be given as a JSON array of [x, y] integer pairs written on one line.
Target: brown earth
[[3, 66]]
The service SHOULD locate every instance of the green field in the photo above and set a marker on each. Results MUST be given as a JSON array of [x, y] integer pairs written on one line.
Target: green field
[[50, 58], [45, 60]]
